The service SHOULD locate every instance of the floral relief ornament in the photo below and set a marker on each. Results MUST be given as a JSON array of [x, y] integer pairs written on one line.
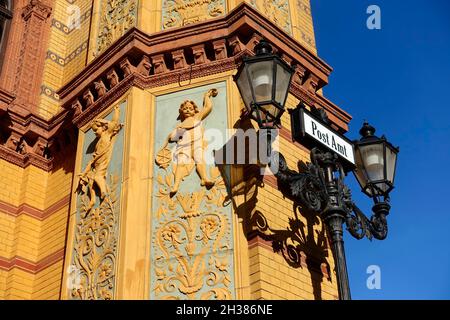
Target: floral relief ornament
[[117, 17], [97, 228], [276, 10], [183, 12]]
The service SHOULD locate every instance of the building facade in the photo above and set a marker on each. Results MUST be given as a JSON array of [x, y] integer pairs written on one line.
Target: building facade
[[95, 199]]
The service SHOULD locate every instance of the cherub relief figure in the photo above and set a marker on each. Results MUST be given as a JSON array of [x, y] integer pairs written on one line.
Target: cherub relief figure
[[190, 143], [94, 175]]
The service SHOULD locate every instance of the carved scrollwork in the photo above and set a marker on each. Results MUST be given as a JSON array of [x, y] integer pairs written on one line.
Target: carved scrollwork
[[357, 224], [95, 247], [191, 243], [178, 13], [117, 17], [275, 10]]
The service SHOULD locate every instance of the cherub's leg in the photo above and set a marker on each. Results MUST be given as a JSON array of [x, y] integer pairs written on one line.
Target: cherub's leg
[[178, 178], [100, 180], [201, 167], [91, 195], [201, 170]]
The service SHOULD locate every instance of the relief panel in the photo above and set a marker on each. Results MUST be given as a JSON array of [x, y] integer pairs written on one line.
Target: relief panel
[[276, 11], [94, 256], [192, 242], [177, 13], [116, 18]]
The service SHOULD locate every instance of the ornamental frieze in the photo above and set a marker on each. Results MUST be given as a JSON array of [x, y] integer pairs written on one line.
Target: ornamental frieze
[[116, 18], [277, 11], [177, 13]]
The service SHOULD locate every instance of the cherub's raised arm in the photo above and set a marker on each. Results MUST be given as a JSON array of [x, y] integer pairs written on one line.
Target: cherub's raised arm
[[207, 103], [115, 120]]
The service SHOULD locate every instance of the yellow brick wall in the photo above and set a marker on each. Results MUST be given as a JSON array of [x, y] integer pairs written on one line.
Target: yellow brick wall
[[47, 284], [67, 52], [7, 229], [10, 182], [29, 238], [271, 277], [34, 181], [18, 284]]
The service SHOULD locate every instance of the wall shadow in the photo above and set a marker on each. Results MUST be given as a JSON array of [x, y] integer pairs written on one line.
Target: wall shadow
[[303, 244]]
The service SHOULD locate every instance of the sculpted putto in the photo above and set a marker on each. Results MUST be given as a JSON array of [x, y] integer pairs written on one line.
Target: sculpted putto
[[94, 175], [190, 143]]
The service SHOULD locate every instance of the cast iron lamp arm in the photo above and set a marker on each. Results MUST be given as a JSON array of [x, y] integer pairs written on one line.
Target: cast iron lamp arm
[[309, 189], [359, 225]]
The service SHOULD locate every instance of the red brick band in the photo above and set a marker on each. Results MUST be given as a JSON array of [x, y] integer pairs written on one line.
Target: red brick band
[[30, 266], [34, 212]]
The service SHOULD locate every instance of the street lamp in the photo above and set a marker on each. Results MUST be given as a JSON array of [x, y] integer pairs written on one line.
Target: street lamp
[[375, 163], [263, 81], [321, 188]]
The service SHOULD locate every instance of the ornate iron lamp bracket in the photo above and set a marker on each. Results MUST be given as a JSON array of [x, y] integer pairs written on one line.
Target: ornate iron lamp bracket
[[320, 187]]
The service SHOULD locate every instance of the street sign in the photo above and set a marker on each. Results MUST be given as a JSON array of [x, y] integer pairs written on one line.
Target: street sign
[[312, 132]]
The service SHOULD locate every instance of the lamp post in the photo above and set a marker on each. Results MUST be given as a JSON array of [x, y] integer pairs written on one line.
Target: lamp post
[[321, 186]]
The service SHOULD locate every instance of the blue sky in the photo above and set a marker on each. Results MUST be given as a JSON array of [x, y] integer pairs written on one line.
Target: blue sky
[[397, 78]]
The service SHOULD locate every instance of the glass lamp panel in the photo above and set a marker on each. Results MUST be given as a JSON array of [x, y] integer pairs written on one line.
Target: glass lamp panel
[[373, 160], [282, 84], [391, 159], [360, 172], [244, 88], [261, 75], [362, 179]]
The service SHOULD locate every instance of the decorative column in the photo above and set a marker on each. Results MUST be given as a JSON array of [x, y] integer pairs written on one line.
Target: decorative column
[[32, 51]]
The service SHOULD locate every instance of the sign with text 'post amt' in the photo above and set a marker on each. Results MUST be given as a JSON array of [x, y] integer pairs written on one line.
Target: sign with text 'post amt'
[[312, 132]]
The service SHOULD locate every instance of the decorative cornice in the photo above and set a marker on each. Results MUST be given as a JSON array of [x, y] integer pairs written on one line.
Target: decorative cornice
[[30, 266], [173, 56], [147, 61], [24, 160], [27, 139]]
